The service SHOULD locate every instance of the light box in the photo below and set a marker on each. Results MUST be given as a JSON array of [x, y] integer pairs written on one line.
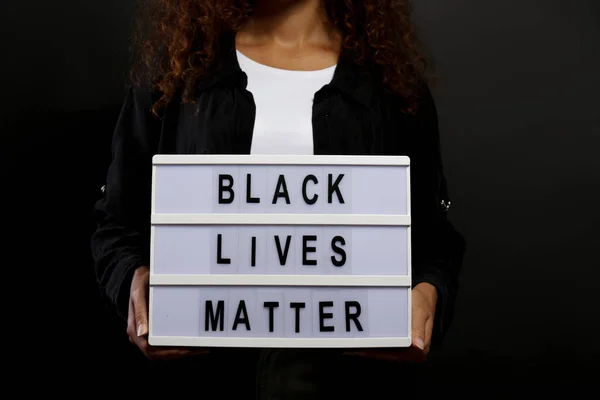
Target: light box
[[280, 251]]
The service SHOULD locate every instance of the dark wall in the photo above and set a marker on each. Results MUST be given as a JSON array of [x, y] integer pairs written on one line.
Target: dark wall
[[520, 118], [63, 69]]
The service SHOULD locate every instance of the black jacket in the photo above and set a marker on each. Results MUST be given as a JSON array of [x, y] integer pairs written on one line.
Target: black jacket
[[351, 116]]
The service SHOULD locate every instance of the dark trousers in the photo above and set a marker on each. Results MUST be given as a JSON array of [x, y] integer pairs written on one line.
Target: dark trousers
[[283, 375]]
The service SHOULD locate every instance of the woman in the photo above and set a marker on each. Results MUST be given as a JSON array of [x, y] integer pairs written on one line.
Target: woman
[[278, 77]]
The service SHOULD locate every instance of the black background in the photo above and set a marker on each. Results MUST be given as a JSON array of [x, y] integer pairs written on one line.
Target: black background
[[520, 119]]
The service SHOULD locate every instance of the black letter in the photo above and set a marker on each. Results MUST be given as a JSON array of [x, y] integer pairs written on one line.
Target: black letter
[[249, 198], [316, 196], [220, 259], [228, 189], [338, 250], [333, 187], [297, 307], [253, 257], [323, 316], [283, 255], [353, 316], [212, 318], [306, 250], [271, 305], [281, 190], [238, 316]]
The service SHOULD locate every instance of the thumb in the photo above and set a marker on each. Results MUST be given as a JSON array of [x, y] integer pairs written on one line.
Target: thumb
[[419, 322], [140, 305]]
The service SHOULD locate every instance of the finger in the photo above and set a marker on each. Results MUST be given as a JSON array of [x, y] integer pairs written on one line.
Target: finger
[[419, 322], [131, 322], [165, 354], [178, 352], [140, 305], [141, 343], [195, 350], [428, 333], [183, 350]]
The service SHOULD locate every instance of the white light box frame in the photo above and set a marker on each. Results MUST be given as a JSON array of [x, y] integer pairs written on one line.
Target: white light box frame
[[188, 281]]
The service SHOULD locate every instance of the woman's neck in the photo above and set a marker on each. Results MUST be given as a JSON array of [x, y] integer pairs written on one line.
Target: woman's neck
[[289, 23]]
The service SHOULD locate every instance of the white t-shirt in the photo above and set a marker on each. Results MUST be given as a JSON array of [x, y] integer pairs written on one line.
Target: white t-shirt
[[284, 101]]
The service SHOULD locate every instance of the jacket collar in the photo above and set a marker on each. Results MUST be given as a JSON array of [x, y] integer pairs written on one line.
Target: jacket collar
[[355, 81]]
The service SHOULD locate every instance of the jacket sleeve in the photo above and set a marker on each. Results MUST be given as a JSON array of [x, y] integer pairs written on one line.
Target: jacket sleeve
[[121, 241], [438, 248]]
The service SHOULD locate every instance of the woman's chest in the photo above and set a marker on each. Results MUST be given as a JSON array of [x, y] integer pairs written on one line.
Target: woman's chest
[[227, 122]]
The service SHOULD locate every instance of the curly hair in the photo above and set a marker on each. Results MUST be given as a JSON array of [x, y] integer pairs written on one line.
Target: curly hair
[[177, 41]]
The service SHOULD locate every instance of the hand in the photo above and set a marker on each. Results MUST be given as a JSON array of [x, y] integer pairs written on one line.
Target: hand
[[137, 321], [424, 301]]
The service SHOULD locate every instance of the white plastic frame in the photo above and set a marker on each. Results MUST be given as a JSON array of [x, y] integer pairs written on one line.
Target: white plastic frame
[[280, 280]]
